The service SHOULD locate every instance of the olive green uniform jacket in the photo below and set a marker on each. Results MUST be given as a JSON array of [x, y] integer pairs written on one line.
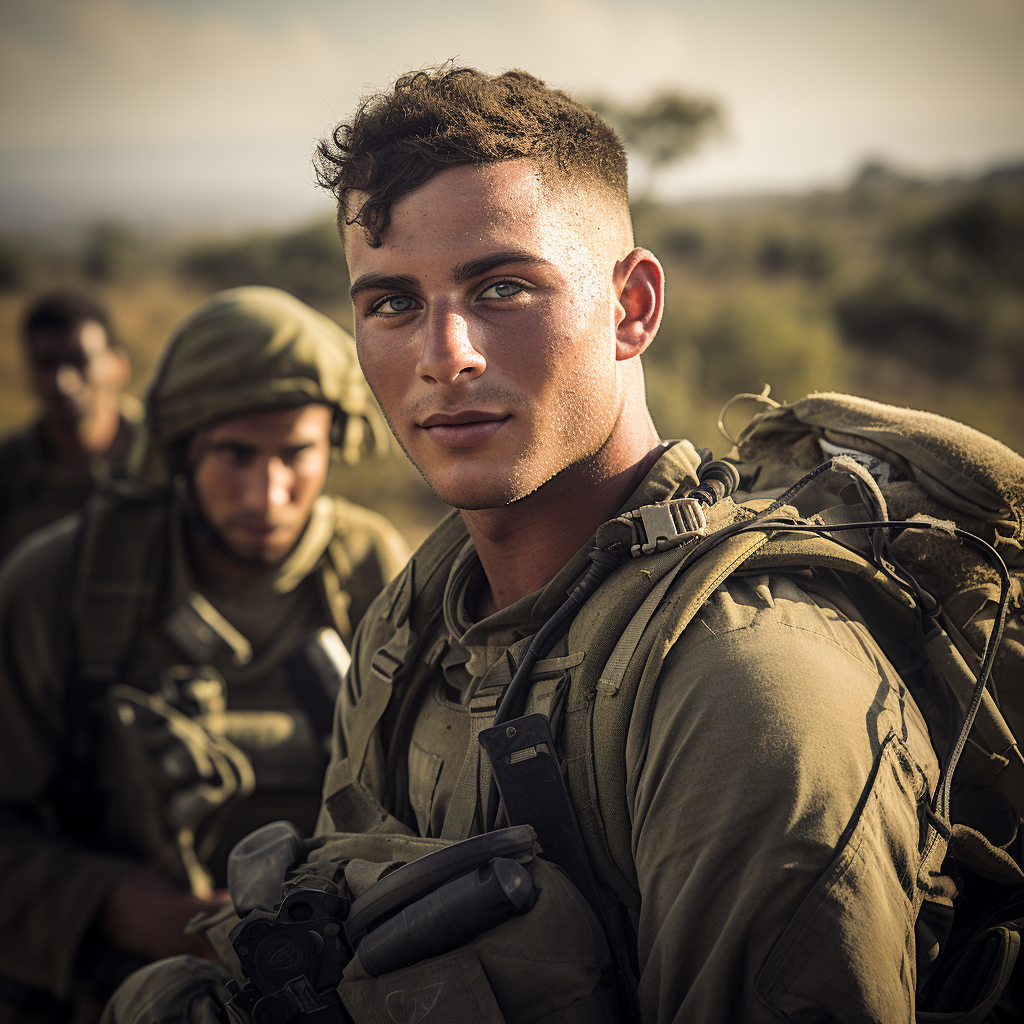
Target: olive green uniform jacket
[[55, 867], [773, 786], [36, 489]]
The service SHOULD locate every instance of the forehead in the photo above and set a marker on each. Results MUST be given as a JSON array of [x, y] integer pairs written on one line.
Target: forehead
[[272, 424], [475, 208], [88, 338]]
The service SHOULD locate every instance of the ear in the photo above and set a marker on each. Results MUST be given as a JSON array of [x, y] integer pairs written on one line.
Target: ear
[[639, 284]]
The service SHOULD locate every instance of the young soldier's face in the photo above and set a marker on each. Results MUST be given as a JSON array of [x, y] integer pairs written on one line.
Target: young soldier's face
[[485, 325], [256, 477]]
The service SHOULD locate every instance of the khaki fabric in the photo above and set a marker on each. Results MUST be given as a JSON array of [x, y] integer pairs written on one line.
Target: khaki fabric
[[788, 760], [247, 349], [53, 880], [546, 966], [959, 466], [177, 990], [773, 782], [36, 489]]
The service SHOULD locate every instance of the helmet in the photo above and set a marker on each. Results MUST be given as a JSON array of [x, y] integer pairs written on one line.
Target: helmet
[[248, 350]]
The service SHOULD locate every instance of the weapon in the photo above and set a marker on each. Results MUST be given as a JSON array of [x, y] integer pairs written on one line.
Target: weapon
[[294, 958]]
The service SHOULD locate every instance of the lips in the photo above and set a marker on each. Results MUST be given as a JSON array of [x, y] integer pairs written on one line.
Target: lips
[[465, 429]]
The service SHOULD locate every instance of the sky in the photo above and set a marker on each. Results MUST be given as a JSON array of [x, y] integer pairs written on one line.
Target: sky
[[204, 113]]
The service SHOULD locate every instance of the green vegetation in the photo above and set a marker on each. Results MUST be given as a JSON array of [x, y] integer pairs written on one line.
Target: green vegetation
[[662, 130], [898, 289]]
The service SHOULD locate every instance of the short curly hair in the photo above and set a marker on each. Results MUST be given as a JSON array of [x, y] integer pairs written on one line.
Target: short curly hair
[[450, 116]]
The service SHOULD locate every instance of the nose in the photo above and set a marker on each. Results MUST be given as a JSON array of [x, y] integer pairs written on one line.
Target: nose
[[448, 353], [69, 380], [267, 487]]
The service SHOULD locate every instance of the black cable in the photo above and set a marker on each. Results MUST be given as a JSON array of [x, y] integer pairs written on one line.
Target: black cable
[[716, 480], [601, 565]]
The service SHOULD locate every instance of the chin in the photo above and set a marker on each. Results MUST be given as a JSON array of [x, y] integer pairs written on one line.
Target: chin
[[472, 494], [257, 557]]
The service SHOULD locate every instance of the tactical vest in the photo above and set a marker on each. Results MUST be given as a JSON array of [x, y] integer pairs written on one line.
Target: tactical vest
[[951, 601], [180, 758]]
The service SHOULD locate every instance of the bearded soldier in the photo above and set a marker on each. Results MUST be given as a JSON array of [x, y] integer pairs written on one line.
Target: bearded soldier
[[170, 655], [749, 789], [77, 370]]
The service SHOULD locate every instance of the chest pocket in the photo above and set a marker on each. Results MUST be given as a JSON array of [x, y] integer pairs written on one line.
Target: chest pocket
[[549, 682]]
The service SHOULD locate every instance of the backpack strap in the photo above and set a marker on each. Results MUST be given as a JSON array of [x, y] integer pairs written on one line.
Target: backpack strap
[[402, 663], [113, 588], [115, 583], [334, 568]]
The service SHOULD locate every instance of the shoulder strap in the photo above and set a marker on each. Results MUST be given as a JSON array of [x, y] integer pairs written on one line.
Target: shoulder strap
[[112, 588], [336, 567], [397, 662], [114, 578]]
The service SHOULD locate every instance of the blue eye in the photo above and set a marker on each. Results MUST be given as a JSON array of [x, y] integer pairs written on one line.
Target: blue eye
[[501, 290], [395, 304]]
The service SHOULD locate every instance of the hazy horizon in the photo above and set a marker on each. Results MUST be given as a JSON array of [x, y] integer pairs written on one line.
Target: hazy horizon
[[193, 113]]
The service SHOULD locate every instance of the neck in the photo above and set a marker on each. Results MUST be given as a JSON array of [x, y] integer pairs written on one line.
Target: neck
[[83, 443], [524, 545]]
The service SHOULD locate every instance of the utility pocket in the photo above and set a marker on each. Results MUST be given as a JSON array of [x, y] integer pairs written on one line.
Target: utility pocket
[[848, 953]]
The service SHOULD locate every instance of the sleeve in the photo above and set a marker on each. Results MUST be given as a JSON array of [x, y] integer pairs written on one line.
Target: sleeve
[[775, 789], [51, 885]]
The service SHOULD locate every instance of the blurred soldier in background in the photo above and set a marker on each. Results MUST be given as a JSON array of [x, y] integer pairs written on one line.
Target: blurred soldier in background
[[170, 655], [78, 370]]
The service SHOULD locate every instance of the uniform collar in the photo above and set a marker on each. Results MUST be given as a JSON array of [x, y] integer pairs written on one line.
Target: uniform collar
[[485, 640]]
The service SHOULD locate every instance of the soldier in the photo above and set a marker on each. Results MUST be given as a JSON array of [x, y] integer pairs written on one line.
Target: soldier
[[170, 655], [84, 433], [770, 771]]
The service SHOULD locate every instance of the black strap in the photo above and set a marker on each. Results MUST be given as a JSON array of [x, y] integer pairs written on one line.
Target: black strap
[[528, 777]]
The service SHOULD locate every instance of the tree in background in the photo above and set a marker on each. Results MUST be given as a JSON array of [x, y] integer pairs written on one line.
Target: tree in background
[[308, 262], [662, 130]]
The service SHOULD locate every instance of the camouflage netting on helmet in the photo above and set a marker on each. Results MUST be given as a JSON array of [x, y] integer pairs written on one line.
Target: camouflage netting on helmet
[[252, 349]]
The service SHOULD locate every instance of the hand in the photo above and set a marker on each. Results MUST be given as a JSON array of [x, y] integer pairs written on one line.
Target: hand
[[146, 914]]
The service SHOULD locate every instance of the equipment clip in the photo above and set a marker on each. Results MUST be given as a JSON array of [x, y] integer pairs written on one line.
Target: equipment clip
[[666, 525]]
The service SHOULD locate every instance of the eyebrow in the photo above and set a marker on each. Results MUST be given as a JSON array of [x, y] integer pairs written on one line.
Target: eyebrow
[[462, 273], [474, 268], [383, 282]]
